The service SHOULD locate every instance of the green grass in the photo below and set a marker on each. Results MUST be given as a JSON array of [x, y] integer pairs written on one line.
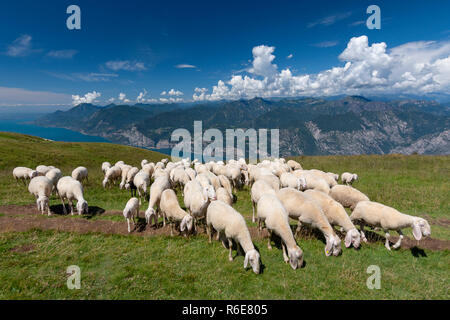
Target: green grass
[[159, 267]]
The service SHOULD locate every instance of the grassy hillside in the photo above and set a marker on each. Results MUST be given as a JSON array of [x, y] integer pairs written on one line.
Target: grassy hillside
[[33, 263]]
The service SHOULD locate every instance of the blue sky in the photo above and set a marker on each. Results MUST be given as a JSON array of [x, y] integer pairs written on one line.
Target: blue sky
[[151, 47]]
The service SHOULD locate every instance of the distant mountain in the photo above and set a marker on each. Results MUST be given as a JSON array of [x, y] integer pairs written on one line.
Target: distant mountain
[[310, 126]]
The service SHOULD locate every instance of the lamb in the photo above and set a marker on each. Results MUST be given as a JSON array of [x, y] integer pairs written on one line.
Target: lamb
[[171, 210], [379, 215], [224, 195], [294, 165], [289, 180], [42, 170], [23, 173], [156, 190], [197, 198], [347, 196], [271, 211], [105, 166], [337, 216], [71, 189], [41, 188], [54, 175], [349, 178], [305, 210], [131, 210], [80, 174], [112, 175], [124, 175], [141, 181], [259, 188], [230, 223]]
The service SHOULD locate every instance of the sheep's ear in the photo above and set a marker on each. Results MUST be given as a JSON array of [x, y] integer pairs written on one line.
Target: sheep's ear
[[246, 261], [329, 247], [417, 233], [348, 239]]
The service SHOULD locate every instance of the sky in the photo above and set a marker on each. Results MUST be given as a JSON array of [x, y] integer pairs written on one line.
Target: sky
[[173, 51]]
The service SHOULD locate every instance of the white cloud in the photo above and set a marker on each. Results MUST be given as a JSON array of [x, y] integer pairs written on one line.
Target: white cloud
[[123, 98], [141, 97], [163, 93], [170, 100], [20, 47], [126, 65], [89, 97], [412, 68], [174, 92], [185, 66], [289, 56], [62, 54]]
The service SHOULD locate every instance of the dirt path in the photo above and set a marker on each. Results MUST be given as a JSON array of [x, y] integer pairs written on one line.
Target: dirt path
[[23, 218]]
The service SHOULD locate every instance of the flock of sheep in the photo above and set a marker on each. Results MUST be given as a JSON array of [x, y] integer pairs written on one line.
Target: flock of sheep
[[280, 190]]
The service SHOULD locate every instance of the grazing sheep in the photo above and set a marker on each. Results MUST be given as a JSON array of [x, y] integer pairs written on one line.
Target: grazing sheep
[[179, 178], [214, 181], [330, 179], [54, 175], [224, 195], [233, 172], [156, 190], [191, 173], [105, 166], [131, 211], [337, 216], [80, 174], [119, 164], [226, 184], [347, 196], [289, 180], [23, 173], [349, 178], [294, 165], [124, 175], [143, 163], [259, 188], [129, 185], [41, 188], [164, 161], [158, 172], [379, 215], [141, 181], [313, 181], [71, 189], [305, 210], [171, 210], [272, 213], [149, 168], [197, 198], [42, 170], [230, 223], [271, 179], [112, 175], [335, 176]]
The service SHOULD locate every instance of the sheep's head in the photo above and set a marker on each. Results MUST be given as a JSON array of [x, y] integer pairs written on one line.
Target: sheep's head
[[355, 177], [302, 183], [82, 207], [333, 246], [33, 174], [252, 257], [295, 257], [187, 223], [121, 185], [150, 215], [210, 192], [420, 228], [352, 237]]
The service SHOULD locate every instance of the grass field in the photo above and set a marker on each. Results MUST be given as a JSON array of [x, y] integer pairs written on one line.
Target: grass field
[[33, 263]]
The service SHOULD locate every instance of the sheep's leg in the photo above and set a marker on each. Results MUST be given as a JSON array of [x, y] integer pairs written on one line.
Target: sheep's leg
[[171, 229], [299, 227], [218, 236], [128, 222], [386, 244], [269, 246], [240, 250], [230, 245], [361, 227], [253, 216], [285, 255], [209, 233], [71, 207], [399, 241]]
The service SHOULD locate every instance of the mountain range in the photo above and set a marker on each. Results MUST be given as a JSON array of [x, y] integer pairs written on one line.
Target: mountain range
[[308, 126]]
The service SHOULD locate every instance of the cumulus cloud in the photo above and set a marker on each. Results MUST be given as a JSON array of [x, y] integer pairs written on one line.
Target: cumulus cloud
[[123, 98], [20, 47], [89, 97], [126, 65], [62, 54], [141, 97], [412, 68], [174, 92]]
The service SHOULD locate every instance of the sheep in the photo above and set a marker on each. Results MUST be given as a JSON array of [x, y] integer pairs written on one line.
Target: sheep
[[143, 163], [226, 184], [23, 173], [171, 210], [347, 196], [41, 188], [149, 168], [141, 181], [271, 179], [335, 176], [80, 174], [349, 178], [330, 179], [119, 164], [179, 177], [259, 188], [272, 213], [233, 172], [289, 180], [54, 175], [305, 210], [337, 216], [191, 173], [313, 181], [224, 195], [230, 223], [379, 215], [42, 170], [200, 168], [71, 189], [131, 211], [214, 181], [124, 175], [164, 161], [112, 175], [156, 190], [129, 185], [294, 165], [197, 198], [158, 172], [105, 166]]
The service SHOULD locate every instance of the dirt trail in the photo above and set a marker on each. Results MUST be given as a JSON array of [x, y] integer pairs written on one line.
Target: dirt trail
[[23, 218]]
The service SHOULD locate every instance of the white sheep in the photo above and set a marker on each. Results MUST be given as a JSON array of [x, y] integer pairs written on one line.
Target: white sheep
[[171, 210], [294, 165], [124, 175], [271, 179], [225, 183], [54, 175], [233, 172], [223, 195], [349, 178], [129, 185], [119, 163], [131, 211], [337, 216], [313, 181], [305, 210], [347, 196], [24, 174], [71, 189], [179, 177], [149, 168], [80, 174], [41, 188], [197, 199], [259, 188], [42, 170], [230, 223], [112, 175], [191, 173], [141, 181], [379, 215], [143, 163], [156, 190], [272, 213], [289, 180], [158, 172], [105, 166], [335, 176]]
